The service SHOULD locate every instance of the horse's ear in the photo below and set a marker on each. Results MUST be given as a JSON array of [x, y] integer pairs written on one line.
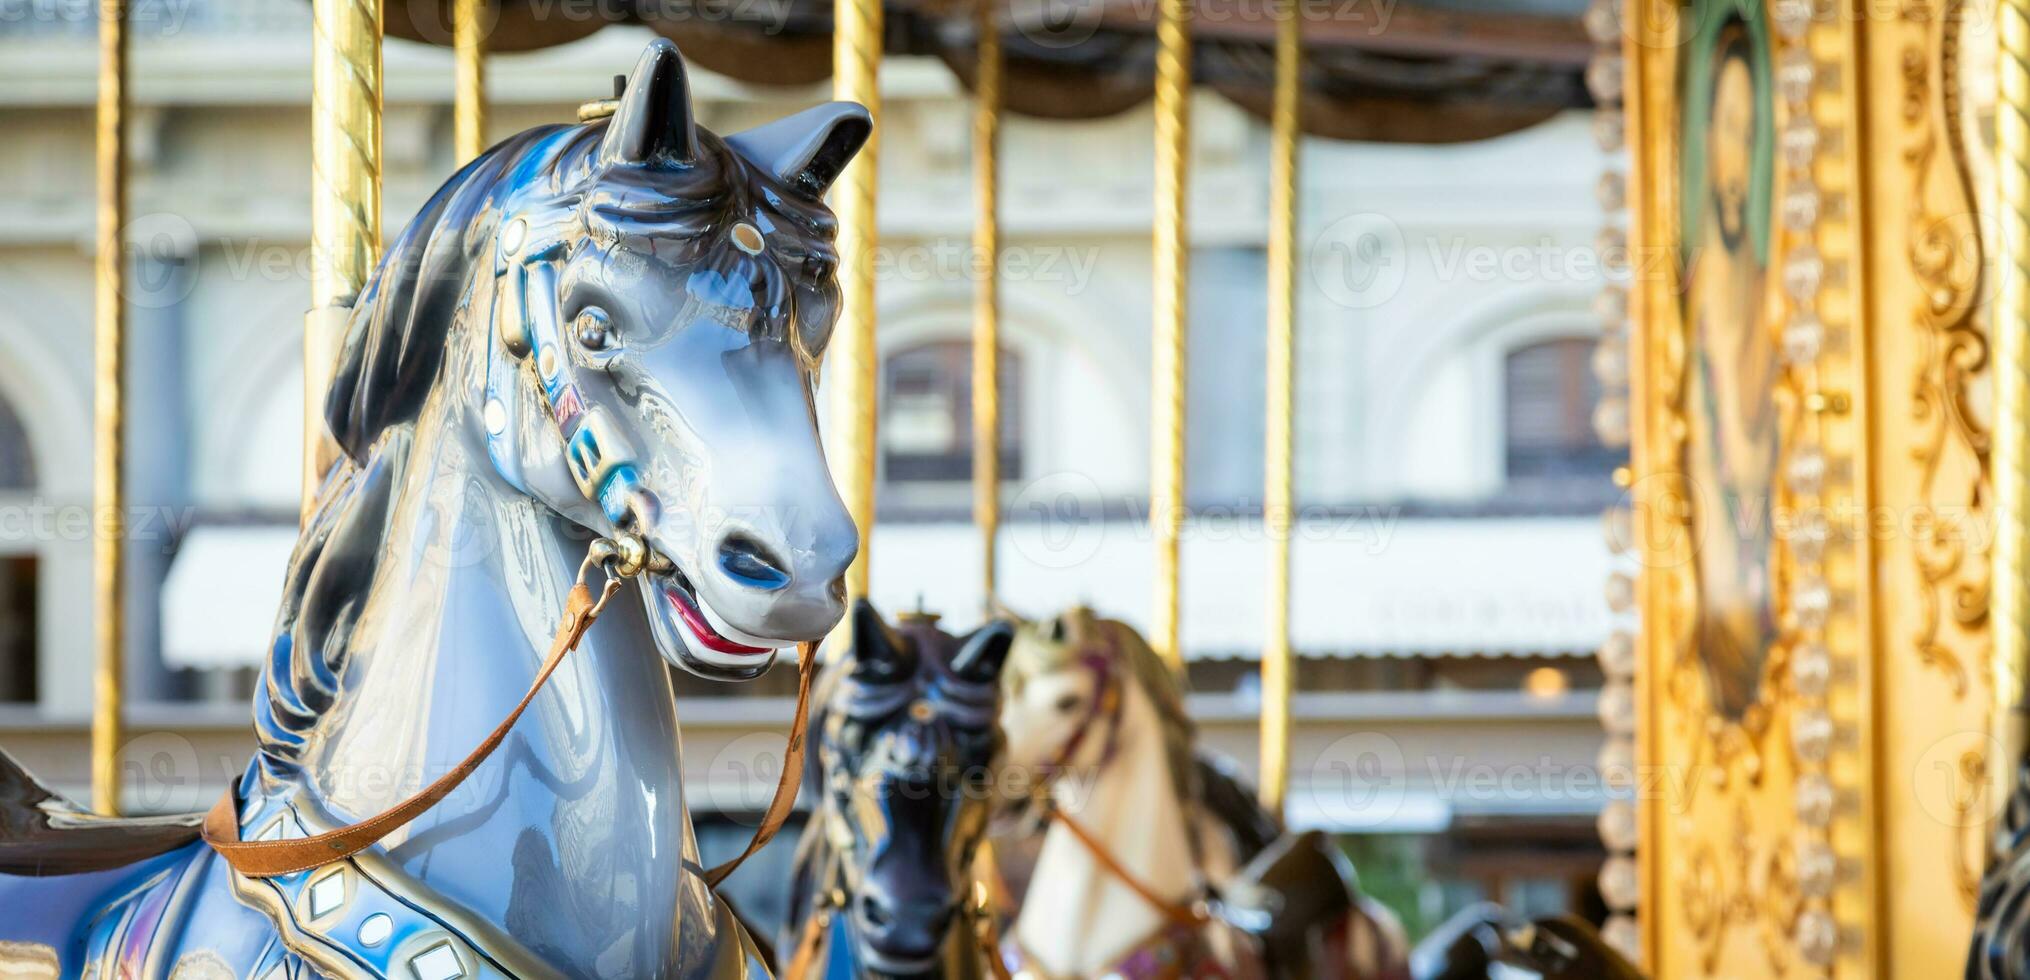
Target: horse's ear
[[984, 651], [653, 120], [809, 150], [877, 651]]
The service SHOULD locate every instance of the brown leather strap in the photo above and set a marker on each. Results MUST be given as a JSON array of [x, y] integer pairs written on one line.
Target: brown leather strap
[[1186, 914], [807, 947], [266, 859], [791, 778]]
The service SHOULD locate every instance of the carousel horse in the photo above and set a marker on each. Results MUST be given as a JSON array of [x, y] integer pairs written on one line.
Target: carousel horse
[[604, 329], [907, 748], [1483, 940], [1146, 866], [2001, 941]]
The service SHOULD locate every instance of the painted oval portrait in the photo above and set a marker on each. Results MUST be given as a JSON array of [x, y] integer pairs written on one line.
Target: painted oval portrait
[[1729, 309]]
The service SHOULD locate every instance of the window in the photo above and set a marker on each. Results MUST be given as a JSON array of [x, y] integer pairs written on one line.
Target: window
[[17, 572], [927, 413], [1548, 395], [17, 466], [17, 629]]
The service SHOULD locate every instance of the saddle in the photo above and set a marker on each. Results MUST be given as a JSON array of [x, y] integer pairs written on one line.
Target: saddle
[[1298, 884], [43, 834]]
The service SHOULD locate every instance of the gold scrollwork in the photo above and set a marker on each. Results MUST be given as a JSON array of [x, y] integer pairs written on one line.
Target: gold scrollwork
[[1752, 882], [1945, 255]]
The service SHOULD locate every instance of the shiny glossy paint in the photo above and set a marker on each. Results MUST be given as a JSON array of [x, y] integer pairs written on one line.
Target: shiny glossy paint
[[613, 326]]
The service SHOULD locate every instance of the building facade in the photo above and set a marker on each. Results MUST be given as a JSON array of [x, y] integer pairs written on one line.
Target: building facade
[[1448, 564]]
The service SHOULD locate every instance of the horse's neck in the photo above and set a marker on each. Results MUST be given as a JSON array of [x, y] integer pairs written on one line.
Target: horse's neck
[[573, 837], [1078, 917]]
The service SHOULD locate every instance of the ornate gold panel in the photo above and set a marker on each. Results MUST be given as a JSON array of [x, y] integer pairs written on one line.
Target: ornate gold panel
[[1929, 362], [1811, 484]]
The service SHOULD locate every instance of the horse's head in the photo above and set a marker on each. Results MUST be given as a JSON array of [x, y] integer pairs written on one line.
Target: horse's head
[[661, 300], [1061, 693], [908, 746]]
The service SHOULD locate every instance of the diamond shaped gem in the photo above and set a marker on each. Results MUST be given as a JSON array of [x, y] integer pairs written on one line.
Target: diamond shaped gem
[[439, 962]]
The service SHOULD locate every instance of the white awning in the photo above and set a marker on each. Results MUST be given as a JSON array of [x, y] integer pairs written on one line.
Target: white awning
[[219, 603], [1360, 587]]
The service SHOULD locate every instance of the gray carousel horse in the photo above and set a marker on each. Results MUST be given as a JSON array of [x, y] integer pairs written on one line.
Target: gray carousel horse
[[605, 329], [907, 749]]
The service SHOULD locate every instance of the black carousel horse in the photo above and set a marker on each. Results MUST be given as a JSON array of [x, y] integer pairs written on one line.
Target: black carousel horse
[[907, 747]]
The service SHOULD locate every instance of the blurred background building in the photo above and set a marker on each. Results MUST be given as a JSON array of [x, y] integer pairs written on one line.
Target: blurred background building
[[1446, 603]]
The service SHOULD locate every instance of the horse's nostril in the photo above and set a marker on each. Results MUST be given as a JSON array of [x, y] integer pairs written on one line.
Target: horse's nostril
[[872, 912], [838, 588], [751, 563]]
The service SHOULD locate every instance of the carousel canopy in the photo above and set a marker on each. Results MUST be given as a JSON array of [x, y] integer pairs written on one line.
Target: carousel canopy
[[1411, 71]]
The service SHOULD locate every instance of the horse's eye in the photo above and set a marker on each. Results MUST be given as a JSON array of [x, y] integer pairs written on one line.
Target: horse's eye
[[593, 329], [1068, 703]]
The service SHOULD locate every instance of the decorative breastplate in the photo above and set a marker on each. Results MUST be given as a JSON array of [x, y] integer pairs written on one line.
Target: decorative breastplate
[[363, 917]]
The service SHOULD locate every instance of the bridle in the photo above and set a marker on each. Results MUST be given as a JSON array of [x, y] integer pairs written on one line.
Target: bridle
[[617, 559], [1107, 707]]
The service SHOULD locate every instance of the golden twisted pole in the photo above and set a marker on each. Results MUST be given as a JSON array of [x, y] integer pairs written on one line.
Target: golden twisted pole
[[856, 73], [468, 112], [1278, 664], [345, 200], [2011, 448], [987, 296], [1166, 457], [109, 444]]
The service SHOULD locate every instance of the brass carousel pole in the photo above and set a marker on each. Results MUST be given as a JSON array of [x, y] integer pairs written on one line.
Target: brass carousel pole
[[345, 201], [1277, 661], [856, 77], [468, 111], [1166, 457], [109, 448], [2011, 448], [987, 297]]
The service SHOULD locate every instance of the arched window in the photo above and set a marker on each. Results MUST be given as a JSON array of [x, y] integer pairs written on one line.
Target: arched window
[[17, 464], [927, 413], [1548, 395], [17, 571]]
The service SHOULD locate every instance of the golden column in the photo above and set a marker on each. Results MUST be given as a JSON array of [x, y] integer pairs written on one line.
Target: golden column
[[987, 297], [468, 111], [1166, 456], [345, 201], [109, 448], [856, 77], [1277, 663], [2011, 447]]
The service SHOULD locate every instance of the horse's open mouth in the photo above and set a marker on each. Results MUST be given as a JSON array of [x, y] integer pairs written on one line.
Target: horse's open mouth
[[701, 628]]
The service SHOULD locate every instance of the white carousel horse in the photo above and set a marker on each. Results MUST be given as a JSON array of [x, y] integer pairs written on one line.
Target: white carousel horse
[[1139, 837], [609, 328]]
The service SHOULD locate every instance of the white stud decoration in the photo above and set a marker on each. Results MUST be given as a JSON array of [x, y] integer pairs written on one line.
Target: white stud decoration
[[376, 929]]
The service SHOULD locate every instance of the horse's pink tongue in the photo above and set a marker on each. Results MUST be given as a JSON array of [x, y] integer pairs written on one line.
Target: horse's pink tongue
[[703, 630]]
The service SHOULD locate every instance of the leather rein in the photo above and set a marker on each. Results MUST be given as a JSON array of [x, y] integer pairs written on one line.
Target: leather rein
[[1106, 708], [617, 561]]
